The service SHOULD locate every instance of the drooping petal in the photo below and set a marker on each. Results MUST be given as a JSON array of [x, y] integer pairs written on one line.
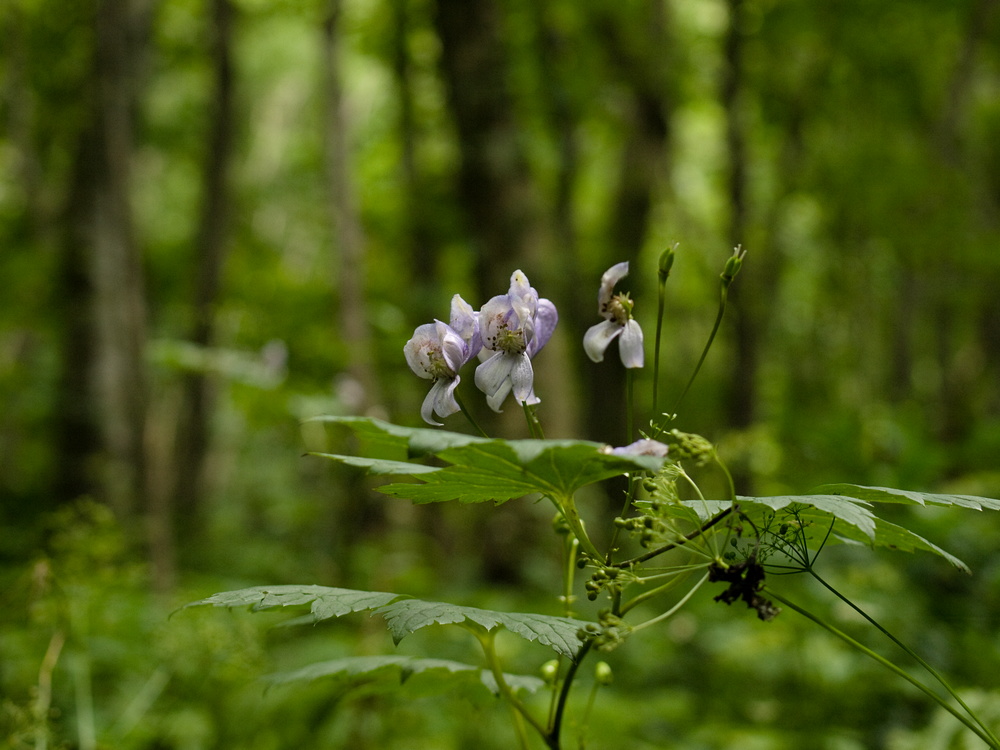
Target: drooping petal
[[493, 373], [597, 338], [630, 345], [612, 276], [522, 378], [445, 403], [545, 323], [495, 400]]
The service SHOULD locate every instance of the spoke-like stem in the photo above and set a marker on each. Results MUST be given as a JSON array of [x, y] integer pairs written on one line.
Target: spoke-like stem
[[983, 735], [674, 609], [916, 657], [679, 543]]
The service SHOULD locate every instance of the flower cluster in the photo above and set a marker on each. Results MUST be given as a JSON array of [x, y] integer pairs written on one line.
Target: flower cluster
[[505, 334]]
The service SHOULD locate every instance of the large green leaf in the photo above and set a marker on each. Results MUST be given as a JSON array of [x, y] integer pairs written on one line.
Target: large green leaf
[[831, 518], [483, 470], [409, 615], [437, 675], [908, 497], [403, 615]]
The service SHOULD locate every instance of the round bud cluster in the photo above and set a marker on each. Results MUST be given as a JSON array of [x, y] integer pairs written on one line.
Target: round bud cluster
[[686, 445], [601, 578], [649, 529], [608, 633]]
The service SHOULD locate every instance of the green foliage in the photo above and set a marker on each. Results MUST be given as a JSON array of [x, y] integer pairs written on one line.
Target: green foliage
[[403, 615]]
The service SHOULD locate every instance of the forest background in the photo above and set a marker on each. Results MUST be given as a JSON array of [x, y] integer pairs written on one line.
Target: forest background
[[221, 217]]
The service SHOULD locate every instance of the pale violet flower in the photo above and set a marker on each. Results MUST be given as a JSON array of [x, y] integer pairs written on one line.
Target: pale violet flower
[[437, 351], [514, 327], [643, 447], [618, 321]]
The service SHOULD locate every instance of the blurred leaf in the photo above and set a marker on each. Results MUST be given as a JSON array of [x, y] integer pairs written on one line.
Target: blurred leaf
[[439, 674]]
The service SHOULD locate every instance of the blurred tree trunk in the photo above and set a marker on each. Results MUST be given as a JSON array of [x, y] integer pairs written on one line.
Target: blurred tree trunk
[[496, 190], [104, 386], [348, 519], [638, 45], [177, 511], [419, 240], [742, 305]]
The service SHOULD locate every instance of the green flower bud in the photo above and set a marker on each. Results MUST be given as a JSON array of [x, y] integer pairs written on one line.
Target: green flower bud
[[603, 674], [666, 262], [550, 671], [733, 265]]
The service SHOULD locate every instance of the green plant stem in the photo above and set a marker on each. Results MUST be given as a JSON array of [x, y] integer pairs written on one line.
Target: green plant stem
[[534, 426], [916, 657], [552, 738], [486, 639], [660, 303], [675, 579], [567, 507], [468, 415], [673, 610], [680, 543], [629, 404], [888, 665], [724, 295], [633, 486]]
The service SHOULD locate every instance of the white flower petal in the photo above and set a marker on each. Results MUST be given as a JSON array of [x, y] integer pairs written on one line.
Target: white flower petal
[[611, 277], [597, 338], [630, 345], [443, 391], [521, 378], [492, 373], [427, 408], [644, 447], [416, 350]]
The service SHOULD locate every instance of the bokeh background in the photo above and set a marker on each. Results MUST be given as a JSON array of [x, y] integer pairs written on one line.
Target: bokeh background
[[221, 217]]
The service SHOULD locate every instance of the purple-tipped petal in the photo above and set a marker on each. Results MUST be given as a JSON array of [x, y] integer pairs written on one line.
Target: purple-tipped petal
[[545, 323], [644, 447], [630, 345], [597, 338]]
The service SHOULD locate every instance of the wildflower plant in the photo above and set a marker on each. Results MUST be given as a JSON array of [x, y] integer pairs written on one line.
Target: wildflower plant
[[669, 542]]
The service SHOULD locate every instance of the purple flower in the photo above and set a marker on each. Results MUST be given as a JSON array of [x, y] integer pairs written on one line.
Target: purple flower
[[514, 327], [643, 447], [437, 351], [617, 313]]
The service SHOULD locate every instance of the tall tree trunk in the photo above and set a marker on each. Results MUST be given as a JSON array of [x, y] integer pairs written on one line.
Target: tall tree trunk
[[103, 360], [183, 515], [743, 393], [496, 189]]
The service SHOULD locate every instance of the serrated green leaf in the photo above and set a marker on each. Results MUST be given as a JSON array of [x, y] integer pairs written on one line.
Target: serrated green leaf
[[483, 470], [402, 614], [326, 602], [441, 674], [380, 465], [908, 497], [558, 633], [846, 510]]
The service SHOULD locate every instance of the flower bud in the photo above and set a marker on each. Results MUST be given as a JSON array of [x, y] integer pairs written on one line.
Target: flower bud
[[666, 262], [550, 671], [733, 265], [603, 674]]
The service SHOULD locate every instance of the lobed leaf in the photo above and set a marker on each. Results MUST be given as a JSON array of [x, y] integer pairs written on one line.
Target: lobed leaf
[[483, 470], [402, 614], [908, 497]]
